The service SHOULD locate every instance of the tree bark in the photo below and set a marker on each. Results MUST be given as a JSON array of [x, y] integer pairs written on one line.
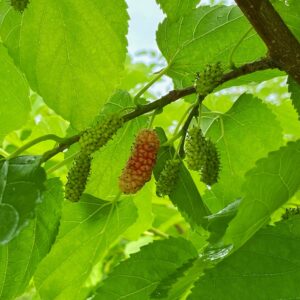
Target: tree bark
[[284, 48]]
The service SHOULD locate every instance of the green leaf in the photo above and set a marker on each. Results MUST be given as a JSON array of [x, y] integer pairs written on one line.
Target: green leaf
[[185, 195], [247, 132], [21, 186], [206, 35], [77, 69], [266, 267], [109, 161], [10, 224], [218, 222], [14, 91], [175, 9], [87, 230], [162, 290], [143, 202], [294, 89], [20, 258], [270, 184], [138, 276], [290, 14]]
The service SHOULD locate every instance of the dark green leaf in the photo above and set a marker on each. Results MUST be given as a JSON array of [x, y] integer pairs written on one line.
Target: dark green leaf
[[270, 184], [218, 222], [20, 258], [88, 228], [266, 267], [185, 195], [137, 277], [9, 222], [162, 290], [294, 89], [21, 186]]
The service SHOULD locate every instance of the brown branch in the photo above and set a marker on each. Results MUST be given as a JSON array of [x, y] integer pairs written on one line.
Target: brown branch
[[284, 48], [172, 96]]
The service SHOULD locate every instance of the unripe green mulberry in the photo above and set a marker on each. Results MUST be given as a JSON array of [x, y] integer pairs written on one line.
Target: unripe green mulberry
[[207, 80], [77, 177], [94, 138], [195, 149], [19, 5], [139, 167], [211, 167], [168, 178]]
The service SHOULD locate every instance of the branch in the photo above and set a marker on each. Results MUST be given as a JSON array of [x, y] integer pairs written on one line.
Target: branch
[[172, 96], [284, 48], [60, 148]]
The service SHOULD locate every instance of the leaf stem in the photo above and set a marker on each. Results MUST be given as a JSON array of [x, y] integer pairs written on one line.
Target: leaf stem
[[231, 63], [62, 163], [116, 199], [157, 232], [149, 84], [183, 118], [34, 142]]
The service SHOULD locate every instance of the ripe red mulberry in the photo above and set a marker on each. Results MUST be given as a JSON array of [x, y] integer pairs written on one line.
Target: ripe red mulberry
[[139, 167]]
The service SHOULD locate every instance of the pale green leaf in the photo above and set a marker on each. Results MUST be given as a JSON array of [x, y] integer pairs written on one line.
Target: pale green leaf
[[175, 9], [247, 132], [206, 35], [270, 184], [143, 202], [290, 13], [20, 258], [266, 267], [72, 52], [137, 277], [87, 230], [14, 91]]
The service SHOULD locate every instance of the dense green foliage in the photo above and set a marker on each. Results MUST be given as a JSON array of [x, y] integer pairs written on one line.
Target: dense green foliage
[[219, 217]]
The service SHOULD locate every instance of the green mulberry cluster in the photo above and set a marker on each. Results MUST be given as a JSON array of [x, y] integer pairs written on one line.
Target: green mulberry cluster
[[195, 149], [168, 178], [90, 141], [94, 138], [19, 5], [211, 166], [77, 177], [202, 155], [207, 80]]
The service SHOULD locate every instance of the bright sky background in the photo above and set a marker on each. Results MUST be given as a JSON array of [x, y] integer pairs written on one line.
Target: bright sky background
[[145, 15]]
